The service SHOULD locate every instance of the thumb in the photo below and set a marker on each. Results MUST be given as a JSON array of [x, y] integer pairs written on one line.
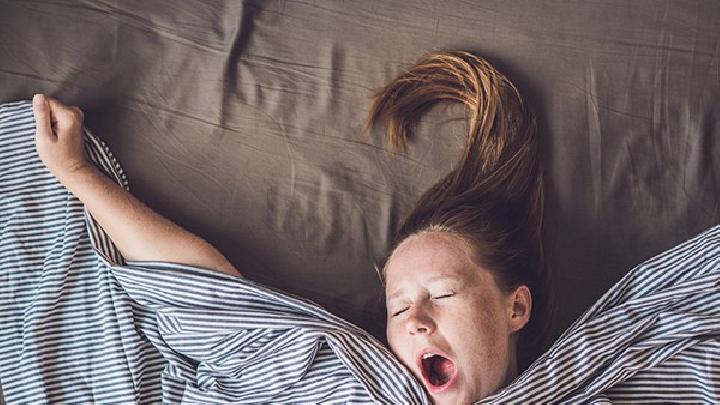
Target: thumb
[[41, 111]]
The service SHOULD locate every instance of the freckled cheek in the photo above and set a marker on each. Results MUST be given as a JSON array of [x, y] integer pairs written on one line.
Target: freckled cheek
[[469, 312], [473, 322], [490, 336], [399, 346]]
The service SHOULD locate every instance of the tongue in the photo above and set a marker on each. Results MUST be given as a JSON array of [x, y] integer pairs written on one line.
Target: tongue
[[443, 367]]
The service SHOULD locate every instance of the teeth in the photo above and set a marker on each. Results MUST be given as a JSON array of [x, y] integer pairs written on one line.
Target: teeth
[[427, 355]]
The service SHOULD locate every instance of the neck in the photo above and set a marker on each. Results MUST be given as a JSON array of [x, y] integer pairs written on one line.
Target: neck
[[512, 369]]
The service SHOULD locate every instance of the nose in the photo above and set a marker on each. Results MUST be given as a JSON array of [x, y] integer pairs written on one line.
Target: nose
[[419, 321]]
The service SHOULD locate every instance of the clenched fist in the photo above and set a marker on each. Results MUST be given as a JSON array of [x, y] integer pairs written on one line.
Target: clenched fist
[[59, 135]]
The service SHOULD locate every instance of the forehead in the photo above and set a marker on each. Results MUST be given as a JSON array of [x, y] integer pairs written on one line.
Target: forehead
[[430, 255]]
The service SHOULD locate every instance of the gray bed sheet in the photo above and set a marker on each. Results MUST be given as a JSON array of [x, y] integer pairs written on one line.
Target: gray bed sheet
[[240, 121]]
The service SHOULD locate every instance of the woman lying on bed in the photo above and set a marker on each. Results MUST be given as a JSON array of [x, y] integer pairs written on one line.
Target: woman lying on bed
[[464, 282]]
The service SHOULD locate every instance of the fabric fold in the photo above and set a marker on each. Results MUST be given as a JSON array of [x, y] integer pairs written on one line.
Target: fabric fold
[[82, 325], [662, 308], [244, 340]]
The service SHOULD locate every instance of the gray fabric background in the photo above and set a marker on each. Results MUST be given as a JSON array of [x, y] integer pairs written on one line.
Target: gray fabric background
[[240, 121]]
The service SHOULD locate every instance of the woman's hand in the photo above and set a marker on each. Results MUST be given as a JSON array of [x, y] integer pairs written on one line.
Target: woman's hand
[[59, 135], [140, 233]]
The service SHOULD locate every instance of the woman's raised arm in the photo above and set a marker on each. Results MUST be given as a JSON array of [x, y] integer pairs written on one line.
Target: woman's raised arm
[[139, 233]]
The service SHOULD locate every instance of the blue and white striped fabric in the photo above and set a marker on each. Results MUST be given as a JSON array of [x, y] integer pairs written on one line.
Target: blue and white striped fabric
[[653, 337], [78, 324]]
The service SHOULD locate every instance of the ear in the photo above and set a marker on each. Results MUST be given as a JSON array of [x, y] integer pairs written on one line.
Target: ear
[[520, 306]]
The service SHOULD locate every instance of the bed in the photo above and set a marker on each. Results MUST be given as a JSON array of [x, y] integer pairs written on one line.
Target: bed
[[241, 122]]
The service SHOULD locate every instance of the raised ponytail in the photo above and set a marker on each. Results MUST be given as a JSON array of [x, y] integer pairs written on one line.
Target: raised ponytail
[[494, 196]]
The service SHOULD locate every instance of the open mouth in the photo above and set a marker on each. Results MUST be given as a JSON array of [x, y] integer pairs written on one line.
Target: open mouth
[[438, 372]]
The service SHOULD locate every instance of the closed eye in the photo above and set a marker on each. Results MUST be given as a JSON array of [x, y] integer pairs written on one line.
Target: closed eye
[[438, 297], [400, 311]]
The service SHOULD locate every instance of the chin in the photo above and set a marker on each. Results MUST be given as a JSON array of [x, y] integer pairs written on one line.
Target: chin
[[455, 398]]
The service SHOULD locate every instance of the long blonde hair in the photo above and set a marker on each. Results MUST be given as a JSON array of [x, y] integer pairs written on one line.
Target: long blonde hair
[[494, 196]]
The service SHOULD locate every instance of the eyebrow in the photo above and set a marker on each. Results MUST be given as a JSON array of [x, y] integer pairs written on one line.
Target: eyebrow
[[430, 280]]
